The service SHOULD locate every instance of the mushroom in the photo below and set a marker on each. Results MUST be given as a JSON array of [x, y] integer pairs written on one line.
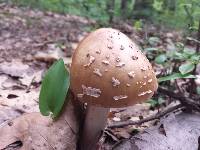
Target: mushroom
[[101, 81]]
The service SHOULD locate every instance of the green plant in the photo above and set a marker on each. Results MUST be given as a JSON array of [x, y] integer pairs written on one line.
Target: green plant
[[138, 25], [54, 89], [184, 60], [179, 63], [176, 14], [156, 102]]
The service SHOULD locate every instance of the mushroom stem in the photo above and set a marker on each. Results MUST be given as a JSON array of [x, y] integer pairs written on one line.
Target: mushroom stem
[[94, 123]]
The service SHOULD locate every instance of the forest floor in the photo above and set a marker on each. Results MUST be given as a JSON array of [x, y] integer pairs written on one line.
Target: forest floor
[[30, 41]]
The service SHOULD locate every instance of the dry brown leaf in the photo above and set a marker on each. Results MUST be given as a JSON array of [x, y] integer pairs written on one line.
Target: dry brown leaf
[[3, 78], [26, 75], [35, 77], [15, 68], [7, 113], [53, 53], [127, 112], [25, 102], [67, 60], [10, 83], [74, 45], [42, 133], [181, 132], [197, 80], [122, 133]]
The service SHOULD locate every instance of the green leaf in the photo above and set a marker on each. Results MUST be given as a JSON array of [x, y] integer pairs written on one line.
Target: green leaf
[[198, 90], [151, 49], [195, 58], [180, 45], [189, 51], [138, 25], [153, 40], [152, 102], [158, 5], [181, 56], [175, 76], [161, 59], [161, 100], [54, 89], [186, 67]]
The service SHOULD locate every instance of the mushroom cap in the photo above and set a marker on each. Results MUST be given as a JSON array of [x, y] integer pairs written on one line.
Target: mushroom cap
[[109, 70]]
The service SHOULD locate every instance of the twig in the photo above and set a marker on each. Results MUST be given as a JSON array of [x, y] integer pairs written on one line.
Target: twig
[[186, 101], [150, 118], [178, 87], [194, 40]]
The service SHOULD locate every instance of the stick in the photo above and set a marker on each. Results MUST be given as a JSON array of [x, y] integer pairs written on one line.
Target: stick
[[147, 119], [186, 101]]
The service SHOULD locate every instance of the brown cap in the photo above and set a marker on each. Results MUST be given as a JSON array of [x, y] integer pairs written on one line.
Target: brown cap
[[109, 70]]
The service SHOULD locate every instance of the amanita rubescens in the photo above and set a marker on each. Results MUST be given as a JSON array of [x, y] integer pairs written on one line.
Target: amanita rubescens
[[108, 70]]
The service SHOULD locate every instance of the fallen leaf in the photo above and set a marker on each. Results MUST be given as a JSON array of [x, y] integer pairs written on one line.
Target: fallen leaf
[[116, 119], [67, 60], [38, 132], [122, 133], [109, 135], [134, 118], [126, 113], [3, 78], [15, 68], [11, 83], [7, 113], [35, 77], [26, 102], [53, 53], [74, 45], [181, 132], [197, 80]]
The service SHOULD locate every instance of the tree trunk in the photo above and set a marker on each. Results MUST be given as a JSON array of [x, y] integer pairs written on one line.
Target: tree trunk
[[110, 9], [169, 5], [142, 9], [124, 8]]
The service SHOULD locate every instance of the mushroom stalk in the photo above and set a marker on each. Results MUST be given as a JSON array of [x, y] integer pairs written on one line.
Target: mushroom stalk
[[94, 123]]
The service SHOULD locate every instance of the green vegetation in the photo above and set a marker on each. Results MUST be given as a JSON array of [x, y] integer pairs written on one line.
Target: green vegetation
[[173, 13]]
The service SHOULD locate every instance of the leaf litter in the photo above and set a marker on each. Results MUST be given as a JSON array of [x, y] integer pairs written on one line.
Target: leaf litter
[[38, 132]]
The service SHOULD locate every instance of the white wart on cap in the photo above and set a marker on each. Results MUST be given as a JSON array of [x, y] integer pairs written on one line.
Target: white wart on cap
[[109, 70]]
